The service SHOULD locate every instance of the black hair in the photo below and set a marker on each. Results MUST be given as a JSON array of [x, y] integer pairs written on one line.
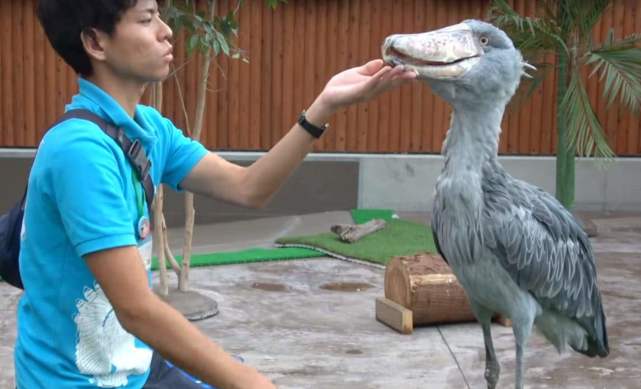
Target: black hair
[[64, 20]]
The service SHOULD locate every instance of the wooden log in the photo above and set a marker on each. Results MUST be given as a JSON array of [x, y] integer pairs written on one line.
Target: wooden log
[[350, 233], [425, 284], [502, 320]]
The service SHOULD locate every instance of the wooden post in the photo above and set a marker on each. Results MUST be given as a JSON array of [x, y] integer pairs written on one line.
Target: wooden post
[[394, 315]]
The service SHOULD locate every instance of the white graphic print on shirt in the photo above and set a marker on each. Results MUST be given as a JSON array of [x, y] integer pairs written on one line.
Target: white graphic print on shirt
[[105, 350]]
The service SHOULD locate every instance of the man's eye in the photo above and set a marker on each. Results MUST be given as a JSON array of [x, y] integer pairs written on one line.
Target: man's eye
[[145, 21]]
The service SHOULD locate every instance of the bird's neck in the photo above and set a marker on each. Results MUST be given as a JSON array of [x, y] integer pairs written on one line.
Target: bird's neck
[[472, 140], [470, 148]]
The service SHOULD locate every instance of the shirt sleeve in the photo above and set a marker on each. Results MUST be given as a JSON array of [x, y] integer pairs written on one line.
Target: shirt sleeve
[[181, 155], [88, 180]]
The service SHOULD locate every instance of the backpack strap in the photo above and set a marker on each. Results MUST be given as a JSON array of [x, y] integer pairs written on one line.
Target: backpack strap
[[133, 150]]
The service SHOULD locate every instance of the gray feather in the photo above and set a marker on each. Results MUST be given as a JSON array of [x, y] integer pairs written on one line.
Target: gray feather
[[542, 247]]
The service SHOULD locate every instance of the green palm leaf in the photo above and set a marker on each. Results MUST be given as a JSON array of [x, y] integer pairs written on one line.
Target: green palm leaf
[[582, 15], [527, 33], [274, 3], [585, 133], [619, 64]]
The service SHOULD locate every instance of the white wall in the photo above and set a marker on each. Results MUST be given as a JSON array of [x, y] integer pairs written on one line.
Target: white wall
[[406, 182]]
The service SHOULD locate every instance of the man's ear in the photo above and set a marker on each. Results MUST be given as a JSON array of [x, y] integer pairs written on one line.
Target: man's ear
[[93, 40]]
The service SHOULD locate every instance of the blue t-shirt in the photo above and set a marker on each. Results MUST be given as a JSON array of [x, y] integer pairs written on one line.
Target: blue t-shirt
[[81, 199]]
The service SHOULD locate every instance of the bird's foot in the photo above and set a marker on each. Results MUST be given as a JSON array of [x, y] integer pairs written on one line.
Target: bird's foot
[[492, 375]]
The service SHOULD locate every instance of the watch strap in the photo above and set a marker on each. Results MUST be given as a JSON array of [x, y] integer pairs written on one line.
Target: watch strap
[[312, 129]]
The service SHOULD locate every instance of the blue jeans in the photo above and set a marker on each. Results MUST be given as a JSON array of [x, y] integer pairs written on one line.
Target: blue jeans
[[164, 375]]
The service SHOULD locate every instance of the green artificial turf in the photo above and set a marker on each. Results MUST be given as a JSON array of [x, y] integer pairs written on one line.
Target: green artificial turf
[[279, 253], [363, 215], [399, 237], [247, 256]]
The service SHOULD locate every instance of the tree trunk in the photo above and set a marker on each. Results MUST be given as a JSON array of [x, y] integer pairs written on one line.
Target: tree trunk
[[201, 100], [190, 212], [565, 156], [159, 242], [159, 233]]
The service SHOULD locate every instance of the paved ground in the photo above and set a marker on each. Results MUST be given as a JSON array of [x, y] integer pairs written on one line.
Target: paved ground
[[282, 318]]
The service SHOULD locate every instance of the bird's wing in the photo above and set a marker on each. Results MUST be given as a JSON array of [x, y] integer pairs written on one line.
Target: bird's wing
[[542, 247], [438, 246]]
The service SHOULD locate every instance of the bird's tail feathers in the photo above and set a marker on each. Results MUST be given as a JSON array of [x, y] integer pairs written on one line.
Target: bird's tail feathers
[[562, 332], [605, 345], [598, 345]]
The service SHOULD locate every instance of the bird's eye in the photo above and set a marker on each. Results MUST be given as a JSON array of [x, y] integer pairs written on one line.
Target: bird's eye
[[484, 40]]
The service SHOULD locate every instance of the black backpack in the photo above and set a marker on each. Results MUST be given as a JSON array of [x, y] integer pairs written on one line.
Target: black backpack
[[11, 222]]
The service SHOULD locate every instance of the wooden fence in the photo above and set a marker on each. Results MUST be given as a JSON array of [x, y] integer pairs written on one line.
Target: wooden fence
[[293, 51]]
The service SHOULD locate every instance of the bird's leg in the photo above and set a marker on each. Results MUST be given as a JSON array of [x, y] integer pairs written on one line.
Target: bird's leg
[[522, 330], [519, 365], [492, 367]]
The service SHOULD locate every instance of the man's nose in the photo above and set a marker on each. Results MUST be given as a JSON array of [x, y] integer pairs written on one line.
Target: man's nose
[[166, 32]]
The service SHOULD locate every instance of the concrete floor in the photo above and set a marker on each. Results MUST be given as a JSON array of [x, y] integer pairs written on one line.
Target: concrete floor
[[282, 318]]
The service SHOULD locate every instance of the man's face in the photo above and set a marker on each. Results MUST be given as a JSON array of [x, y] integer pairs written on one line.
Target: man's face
[[140, 47]]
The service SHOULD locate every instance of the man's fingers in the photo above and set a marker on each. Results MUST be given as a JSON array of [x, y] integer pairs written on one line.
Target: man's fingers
[[379, 77], [397, 80], [409, 74], [387, 73], [382, 78], [372, 67], [399, 71], [399, 74], [381, 73]]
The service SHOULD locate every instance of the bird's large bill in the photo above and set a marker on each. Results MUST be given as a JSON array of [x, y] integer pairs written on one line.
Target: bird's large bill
[[447, 53]]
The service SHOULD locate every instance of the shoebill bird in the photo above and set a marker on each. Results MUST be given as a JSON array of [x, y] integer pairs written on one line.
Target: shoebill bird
[[514, 248]]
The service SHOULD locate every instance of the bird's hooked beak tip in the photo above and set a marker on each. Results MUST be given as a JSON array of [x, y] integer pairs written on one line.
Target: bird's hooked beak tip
[[386, 49], [393, 62]]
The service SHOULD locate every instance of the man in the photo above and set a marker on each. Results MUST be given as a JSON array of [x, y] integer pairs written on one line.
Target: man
[[88, 317]]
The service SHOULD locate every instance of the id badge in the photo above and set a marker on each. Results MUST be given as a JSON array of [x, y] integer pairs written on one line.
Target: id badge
[[144, 227]]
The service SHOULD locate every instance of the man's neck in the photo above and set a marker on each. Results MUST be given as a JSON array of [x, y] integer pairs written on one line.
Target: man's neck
[[126, 92]]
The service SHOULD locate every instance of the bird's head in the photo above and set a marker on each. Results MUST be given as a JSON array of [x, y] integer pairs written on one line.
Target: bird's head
[[472, 62]]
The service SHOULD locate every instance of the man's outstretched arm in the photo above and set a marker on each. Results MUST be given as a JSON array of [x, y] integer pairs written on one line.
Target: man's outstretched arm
[[254, 186]]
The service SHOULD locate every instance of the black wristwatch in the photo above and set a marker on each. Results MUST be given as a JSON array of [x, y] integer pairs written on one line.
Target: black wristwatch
[[313, 129]]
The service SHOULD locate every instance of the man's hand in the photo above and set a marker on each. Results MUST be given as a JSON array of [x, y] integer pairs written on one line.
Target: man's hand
[[356, 85], [362, 83]]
